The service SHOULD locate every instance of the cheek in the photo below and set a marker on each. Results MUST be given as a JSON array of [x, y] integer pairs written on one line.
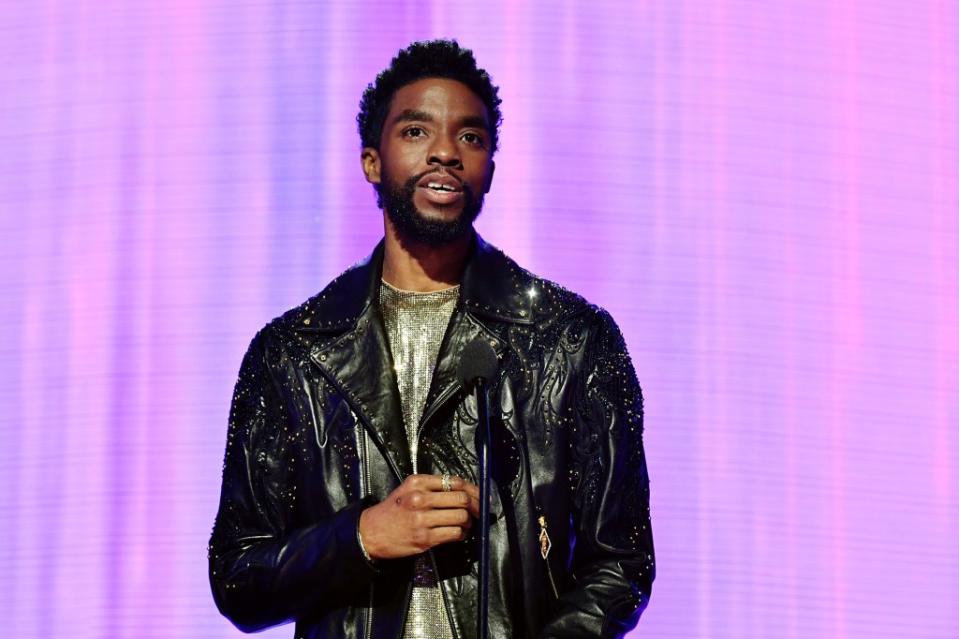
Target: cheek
[[399, 163], [482, 182]]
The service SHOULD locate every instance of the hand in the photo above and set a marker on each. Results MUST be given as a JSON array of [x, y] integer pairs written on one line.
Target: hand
[[419, 515]]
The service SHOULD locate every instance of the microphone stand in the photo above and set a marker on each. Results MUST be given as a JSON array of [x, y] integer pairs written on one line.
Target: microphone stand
[[477, 367], [482, 403]]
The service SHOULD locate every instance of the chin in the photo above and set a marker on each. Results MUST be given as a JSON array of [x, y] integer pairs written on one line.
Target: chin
[[440, 216]]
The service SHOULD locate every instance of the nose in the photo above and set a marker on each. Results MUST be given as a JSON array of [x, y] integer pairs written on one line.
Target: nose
[[445, 152]]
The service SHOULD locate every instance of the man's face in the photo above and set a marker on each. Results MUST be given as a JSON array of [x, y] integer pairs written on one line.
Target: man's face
[[434, 165]]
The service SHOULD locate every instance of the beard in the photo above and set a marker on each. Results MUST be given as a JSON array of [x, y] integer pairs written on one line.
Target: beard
[[412, 224]]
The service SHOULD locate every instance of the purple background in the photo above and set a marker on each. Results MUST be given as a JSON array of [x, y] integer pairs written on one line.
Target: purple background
[[765, 196]]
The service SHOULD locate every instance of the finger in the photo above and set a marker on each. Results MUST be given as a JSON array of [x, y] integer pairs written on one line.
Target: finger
[[422, 482], [423, 500], [446, 534], [472, 489], [474, 506], [445, 517], [474, 492], [452, 499], [435, 482]]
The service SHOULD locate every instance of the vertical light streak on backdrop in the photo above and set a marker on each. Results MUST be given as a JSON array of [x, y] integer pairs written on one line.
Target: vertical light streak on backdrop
[[845, 202], [508, 43], [331, 64], [764, 197], [722, 300], [945, 255], [790, 194], [788, 345]]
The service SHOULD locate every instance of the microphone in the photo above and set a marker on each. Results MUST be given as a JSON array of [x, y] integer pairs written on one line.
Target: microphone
[[478, 365]]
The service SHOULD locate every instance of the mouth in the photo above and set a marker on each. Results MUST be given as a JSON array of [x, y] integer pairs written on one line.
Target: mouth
[[441, 188]]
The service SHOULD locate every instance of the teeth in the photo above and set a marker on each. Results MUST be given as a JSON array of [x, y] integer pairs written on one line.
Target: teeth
[[439, 187]]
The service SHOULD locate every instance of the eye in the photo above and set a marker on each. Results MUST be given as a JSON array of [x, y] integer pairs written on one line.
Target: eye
[[413, 132], [473, 138]]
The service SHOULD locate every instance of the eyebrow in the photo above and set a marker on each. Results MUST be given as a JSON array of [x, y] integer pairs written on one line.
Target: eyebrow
[[414, 115], [475, 121]]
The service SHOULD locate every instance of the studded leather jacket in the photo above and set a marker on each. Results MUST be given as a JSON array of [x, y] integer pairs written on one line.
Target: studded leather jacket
[[316, 435]]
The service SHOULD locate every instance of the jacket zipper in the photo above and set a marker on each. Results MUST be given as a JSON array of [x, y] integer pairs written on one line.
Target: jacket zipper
[[545, 546], [363, 444], [549, 573]]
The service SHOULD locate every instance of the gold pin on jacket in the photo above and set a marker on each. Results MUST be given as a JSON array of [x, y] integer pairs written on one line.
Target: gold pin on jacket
[[544, 543]]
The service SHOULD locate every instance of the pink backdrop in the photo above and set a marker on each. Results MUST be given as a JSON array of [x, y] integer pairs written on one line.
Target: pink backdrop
[[765, 196]]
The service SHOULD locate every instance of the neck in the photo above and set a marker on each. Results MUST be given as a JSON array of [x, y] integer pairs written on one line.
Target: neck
[[414, 266]]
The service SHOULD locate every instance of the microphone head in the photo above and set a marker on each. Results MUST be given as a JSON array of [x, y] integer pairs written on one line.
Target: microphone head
[[477, 362]]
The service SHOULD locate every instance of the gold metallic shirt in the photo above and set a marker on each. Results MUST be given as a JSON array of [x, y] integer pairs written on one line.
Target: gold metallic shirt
[[415, 325]]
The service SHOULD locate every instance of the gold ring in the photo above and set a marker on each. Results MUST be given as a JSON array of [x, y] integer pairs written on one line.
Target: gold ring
[[447, 483]]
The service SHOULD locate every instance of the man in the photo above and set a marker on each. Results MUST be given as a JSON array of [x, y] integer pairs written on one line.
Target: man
[[349, 488]]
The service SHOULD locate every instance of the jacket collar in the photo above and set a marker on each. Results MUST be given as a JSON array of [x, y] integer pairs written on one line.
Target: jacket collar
[[493, 286]]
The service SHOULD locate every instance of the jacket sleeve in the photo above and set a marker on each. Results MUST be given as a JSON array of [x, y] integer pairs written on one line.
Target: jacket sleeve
[[262, 572], [612, 564]]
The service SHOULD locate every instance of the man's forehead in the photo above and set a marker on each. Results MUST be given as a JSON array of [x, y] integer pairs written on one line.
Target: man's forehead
[[435, 97]]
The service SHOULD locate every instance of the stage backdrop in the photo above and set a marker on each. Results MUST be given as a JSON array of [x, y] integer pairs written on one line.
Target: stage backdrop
[[764, 195]]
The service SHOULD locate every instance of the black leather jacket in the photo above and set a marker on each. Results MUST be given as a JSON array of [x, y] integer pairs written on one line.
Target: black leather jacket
[[316, 435]]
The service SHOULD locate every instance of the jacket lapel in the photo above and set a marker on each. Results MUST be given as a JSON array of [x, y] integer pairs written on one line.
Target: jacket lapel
[[356, 357], [463, 329], [360, 365]]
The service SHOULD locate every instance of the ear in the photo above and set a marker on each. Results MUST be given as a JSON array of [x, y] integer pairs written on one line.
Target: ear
[[489, 180], [370, 162]]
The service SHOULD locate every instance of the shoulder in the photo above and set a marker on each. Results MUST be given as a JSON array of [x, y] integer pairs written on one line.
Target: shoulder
[[557, 317], [324, 315], [553, 306], [496, 286]]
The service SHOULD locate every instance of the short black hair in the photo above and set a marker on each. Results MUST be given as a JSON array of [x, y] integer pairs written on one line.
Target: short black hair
[[426, 59]]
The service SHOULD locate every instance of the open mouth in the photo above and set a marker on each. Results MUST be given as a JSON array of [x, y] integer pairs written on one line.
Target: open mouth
[[440, 182], [442, 188]]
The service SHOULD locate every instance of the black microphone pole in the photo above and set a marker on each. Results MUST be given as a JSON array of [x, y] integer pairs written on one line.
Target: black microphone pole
[[482, 405], [478, 365]]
